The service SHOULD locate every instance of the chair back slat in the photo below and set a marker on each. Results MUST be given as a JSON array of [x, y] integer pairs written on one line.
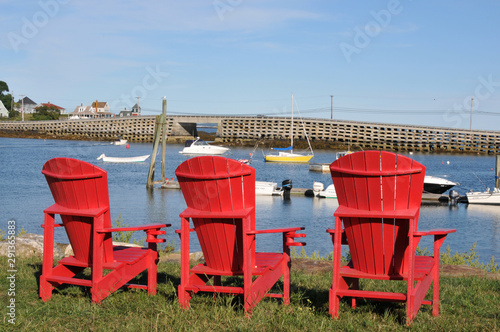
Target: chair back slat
[[217, 184], [378, 181], [77, 185]]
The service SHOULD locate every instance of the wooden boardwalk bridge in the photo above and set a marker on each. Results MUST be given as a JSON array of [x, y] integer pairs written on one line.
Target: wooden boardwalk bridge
[[366, 135]]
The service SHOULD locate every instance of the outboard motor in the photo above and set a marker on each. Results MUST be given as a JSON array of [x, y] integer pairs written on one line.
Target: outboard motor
[[454, 196], [287, 187]]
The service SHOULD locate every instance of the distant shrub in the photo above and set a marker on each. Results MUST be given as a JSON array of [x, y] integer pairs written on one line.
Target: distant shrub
[[122, 236], [469, 258]]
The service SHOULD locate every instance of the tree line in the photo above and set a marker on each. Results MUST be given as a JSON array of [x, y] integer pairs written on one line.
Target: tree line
[[42, 112]]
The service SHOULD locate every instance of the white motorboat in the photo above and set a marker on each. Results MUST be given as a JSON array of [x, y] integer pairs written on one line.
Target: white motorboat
[[320, 191], [200, 147], [432, 184], [119, 141], [436, 185], [137, 159], [488, 196], [329, 192], [264, 188]]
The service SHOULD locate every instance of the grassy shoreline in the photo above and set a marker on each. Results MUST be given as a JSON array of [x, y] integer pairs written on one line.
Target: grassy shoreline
[[467, 304]]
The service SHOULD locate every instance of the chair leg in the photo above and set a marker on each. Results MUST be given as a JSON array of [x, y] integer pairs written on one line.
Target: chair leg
[[48, 259], [334, 303], [354, 284], [286, 281], [435, 291], [46, 289], [152, 274], [184, 297]]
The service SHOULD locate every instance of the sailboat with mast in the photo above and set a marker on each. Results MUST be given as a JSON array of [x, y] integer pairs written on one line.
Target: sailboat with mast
[[286, 155]]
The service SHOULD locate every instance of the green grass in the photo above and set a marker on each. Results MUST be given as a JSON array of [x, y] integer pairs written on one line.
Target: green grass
[[467, 304]]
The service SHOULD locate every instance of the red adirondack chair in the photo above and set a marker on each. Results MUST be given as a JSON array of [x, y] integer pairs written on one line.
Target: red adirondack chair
[[220, 199], [379, 195], [80, 191]]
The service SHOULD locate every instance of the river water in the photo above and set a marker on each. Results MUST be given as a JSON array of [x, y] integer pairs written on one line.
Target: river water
[[24, 193]]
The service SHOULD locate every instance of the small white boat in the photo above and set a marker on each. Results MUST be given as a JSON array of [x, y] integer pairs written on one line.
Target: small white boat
[[325, 167], [119, 141], [107, 159], [264, 188], [320, 191], [319, 167], [488, 196], [200, 147]]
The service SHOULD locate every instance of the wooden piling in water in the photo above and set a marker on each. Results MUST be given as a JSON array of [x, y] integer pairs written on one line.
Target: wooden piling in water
[[160, 131], [497, 171]]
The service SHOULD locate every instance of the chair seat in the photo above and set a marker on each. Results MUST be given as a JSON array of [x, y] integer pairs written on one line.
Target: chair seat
[[121, 254], [263, 261], [423, 267]]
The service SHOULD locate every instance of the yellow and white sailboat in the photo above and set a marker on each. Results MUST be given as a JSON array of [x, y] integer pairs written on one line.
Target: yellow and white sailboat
[[286, 155]]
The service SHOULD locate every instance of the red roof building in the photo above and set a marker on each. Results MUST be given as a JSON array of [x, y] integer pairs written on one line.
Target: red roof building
[[49, 104]]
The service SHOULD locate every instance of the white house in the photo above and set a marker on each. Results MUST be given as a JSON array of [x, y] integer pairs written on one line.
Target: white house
[[4, 113], [136, 111], [97, 110], [27, 105]]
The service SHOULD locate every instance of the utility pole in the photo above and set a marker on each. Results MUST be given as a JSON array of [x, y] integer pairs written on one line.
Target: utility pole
[[22, 107], [331, 107], [471, 103]]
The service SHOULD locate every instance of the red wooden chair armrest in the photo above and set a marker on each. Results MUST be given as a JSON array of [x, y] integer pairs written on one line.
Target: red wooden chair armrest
[[289, 234], [193, 213], [178, 231], [152, 231], [355, 213], [57, 209], [133, 228], [435, 232], [277, 230], [344, 235], [55, 225]]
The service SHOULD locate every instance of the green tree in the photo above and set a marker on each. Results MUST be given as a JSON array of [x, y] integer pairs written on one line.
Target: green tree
[[46, 113]]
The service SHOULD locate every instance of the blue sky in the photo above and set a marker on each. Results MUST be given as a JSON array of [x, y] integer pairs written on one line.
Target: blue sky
[[407, 62]]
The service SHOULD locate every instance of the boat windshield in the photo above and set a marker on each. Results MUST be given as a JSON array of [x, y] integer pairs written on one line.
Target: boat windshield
[[200, 142], [343, 153]]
